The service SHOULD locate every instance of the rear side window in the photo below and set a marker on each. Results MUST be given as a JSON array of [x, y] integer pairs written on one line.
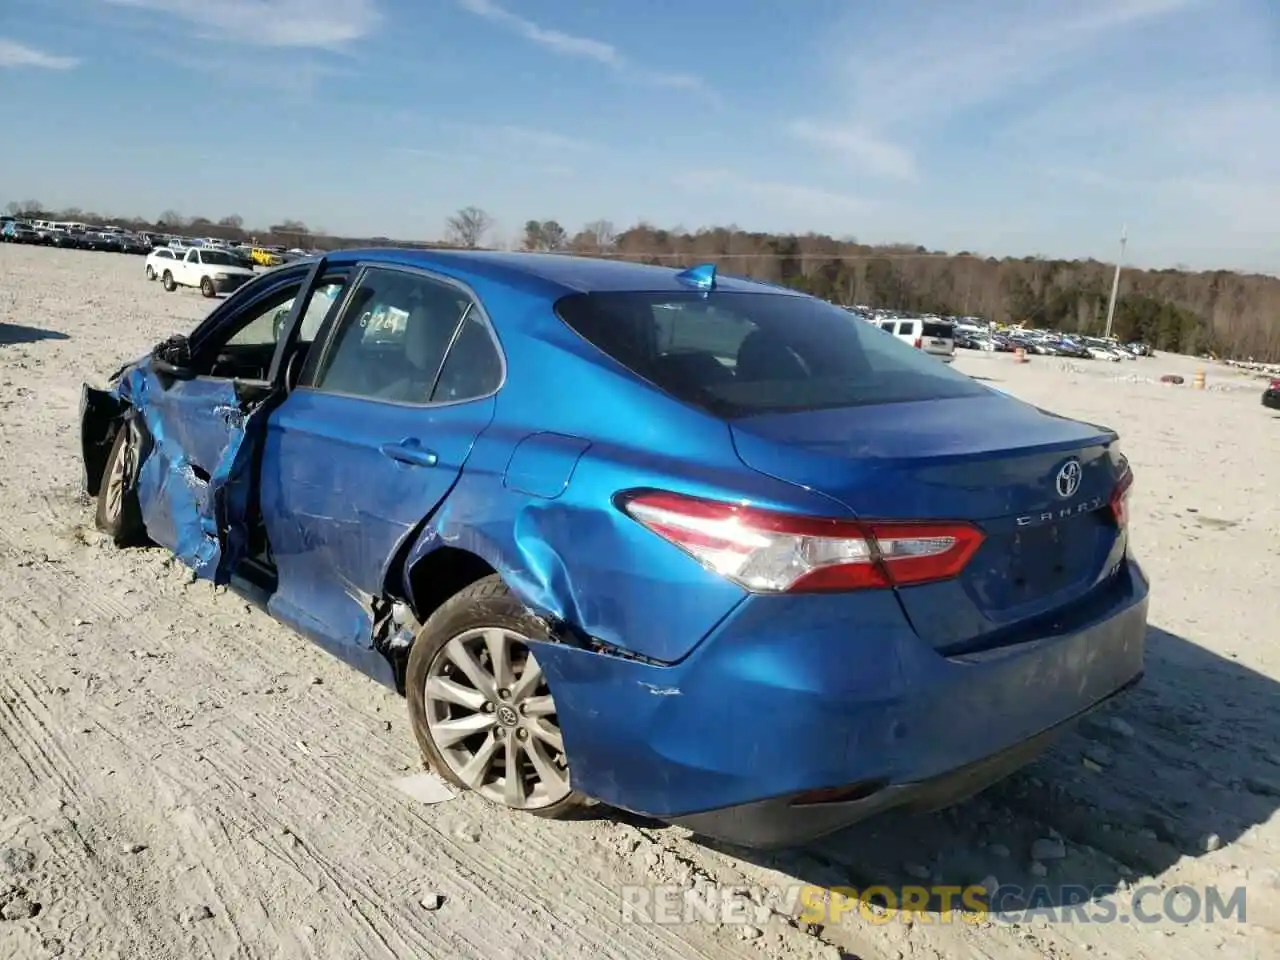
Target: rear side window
[[932, 328], [738, 354]]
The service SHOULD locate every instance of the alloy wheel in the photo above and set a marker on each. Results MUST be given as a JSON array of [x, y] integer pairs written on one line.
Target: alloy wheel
[[491, 716], [118, 480]]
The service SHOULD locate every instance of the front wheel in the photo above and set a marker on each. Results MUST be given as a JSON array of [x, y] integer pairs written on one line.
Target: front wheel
[[480, 706], [151, 272], [206, 287], [119, 515], [167, 282]]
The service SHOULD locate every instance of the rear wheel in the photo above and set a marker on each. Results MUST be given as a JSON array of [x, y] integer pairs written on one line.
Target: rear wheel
[[206, 287], [167, 282], [119, 514], [480, 706]]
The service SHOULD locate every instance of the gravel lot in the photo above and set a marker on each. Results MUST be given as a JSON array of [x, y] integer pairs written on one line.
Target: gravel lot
[[181, 777]]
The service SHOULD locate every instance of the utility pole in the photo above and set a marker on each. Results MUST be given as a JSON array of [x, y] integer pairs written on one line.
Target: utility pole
[[1115, 281]]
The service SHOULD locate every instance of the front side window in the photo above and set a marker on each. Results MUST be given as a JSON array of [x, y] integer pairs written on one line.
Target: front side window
[[738, 354], [265, 325], [392, 337]]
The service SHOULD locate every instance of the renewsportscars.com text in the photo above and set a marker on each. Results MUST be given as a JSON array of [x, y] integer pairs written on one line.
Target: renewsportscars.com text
[[1148, 904]]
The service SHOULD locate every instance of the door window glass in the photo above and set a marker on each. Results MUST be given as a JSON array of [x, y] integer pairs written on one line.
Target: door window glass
[[392, 337]]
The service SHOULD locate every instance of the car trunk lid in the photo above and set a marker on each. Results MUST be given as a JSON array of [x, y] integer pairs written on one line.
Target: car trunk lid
[[1037, 484]]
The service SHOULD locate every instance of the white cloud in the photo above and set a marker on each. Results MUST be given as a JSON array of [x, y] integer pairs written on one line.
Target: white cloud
[[14, 55], [869, 152], [795, 198], [970, 52], [272, 23], [583, 48], [908, 72], [537, 139]]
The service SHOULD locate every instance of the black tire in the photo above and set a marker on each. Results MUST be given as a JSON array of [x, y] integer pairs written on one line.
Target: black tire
[[119, 514], [151, 272], [167, 282], [206, 287], [486, 603]]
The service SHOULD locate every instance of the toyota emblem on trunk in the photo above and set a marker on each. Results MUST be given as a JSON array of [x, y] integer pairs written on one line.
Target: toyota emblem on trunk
[[1068, 480]]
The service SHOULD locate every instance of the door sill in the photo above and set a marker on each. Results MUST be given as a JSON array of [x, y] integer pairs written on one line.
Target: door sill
[[255, 580]]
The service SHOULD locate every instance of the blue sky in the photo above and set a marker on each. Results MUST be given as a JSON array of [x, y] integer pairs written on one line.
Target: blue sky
[[1032, 127]]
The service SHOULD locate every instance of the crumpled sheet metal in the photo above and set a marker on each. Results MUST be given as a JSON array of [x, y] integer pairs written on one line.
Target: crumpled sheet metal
[[180, 509]]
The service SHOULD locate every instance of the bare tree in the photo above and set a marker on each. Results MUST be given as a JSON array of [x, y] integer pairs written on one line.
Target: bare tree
[[602, 234], [171, 218], [234, 222], [467, 227], [598, 236], [24, 208]]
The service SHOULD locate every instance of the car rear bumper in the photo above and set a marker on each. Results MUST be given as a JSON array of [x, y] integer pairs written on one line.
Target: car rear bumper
[[795, 695], [1271, 399], [799, 818]]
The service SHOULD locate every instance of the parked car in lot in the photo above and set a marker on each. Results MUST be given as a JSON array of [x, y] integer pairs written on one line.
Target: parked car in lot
[[65, 239], [1070, 347], [212, 270], [132, 243], [96, 240], [266, 256], [1101, 350], [1271, 395], [761, 570], [934, 337], [157, 260], [16, 232]]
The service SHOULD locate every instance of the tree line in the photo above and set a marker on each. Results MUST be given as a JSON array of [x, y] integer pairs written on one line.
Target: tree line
[[1231, 314]]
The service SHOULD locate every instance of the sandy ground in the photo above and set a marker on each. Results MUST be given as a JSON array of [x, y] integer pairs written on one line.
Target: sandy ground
[[182, 777]]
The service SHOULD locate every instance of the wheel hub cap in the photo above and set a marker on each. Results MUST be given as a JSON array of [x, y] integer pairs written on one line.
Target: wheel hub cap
[[491, 716]]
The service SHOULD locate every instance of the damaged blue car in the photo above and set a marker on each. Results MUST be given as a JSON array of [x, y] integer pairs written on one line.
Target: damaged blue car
[[694, 546]]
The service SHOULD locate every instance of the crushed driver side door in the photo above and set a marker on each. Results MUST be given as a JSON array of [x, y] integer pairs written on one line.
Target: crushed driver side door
[[197, 408]]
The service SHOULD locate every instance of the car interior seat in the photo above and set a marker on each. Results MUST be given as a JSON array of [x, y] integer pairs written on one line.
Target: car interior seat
[[427, 332]]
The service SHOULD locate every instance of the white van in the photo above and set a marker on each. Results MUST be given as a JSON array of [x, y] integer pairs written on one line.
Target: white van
[[933, 336]]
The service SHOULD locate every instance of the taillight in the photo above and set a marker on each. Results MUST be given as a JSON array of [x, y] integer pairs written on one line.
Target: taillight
[[1275, 384], [919, 344], [1120, 498], [765, 551]]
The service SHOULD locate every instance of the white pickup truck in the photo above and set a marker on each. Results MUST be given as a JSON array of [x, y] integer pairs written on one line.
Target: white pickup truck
[[213, 271]]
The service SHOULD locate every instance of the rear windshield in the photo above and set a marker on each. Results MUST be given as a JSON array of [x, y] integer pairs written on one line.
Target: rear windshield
[[931, 328], [738, 354]]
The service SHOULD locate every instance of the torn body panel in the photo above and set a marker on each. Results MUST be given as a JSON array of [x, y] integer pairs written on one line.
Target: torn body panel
[[195, 477]]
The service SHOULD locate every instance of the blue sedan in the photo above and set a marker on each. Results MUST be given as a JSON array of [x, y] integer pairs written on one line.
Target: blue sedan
[[698, 547]]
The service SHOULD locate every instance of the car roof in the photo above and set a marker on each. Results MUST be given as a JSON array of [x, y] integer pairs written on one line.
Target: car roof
[[557, 274]]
